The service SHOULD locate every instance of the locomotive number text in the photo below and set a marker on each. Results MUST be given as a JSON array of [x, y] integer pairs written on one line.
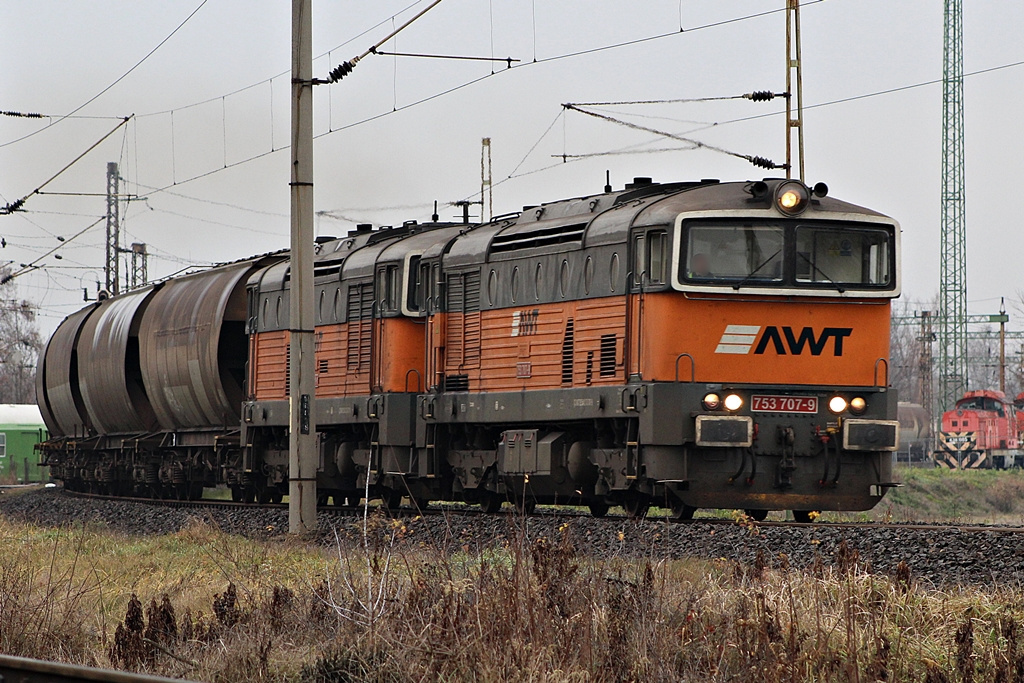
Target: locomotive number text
[[784, 404]]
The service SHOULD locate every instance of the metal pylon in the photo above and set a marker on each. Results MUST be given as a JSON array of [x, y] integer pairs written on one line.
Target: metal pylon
[[953, 253], [111, 270]]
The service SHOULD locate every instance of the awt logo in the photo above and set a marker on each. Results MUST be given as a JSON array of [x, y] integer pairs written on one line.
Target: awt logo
[[740, 339]]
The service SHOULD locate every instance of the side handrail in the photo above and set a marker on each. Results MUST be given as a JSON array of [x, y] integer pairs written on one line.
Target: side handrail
[[693, 367], [419, 380], [886, 362]]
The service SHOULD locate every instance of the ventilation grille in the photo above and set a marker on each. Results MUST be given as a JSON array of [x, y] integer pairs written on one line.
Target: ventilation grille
[[463, 332], [545, 237], [608, 355], [360, 325], [568, 346], [456, 383]]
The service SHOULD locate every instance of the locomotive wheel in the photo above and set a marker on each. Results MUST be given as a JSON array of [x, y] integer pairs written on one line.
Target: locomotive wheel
[[804, 516], [682, 511], [276, 495], [238, 494], [757, 515], [490, 502], [392, 499], [526, 506], [598, 508], [264, 496], [636, 506]]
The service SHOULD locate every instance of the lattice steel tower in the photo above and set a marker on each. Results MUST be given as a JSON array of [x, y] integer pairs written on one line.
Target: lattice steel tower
[[111, 270], [953, 254]]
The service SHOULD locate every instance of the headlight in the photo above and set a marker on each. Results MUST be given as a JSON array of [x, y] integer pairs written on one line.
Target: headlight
[[712, 402], [733, 402], [858, 405], [837, 404], [791, 198]]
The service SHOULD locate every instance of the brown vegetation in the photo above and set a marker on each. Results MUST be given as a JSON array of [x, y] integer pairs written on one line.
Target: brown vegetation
[[207, 606]]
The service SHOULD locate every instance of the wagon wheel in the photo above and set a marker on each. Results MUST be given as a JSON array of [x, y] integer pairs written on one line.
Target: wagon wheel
[[804, 516], [490, 502], [598, 508], [637, 505], [681, 511], [757, 515]]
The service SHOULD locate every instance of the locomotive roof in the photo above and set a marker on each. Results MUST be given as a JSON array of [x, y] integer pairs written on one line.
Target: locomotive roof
[[984, 393], [606, 218]]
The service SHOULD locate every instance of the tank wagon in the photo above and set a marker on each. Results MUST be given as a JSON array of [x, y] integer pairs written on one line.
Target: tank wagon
[[690, 345]]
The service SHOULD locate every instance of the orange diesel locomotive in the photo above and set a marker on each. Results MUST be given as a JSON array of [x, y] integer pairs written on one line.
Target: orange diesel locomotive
[[691, 345]]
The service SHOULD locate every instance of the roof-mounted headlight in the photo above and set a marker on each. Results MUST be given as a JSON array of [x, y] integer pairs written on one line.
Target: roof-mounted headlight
[[791, 198]]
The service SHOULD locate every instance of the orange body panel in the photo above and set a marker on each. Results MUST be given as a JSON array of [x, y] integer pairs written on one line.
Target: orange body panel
[[522, 348], [768, 341], [268, 365], [343, 359], [753, 341], [401, 345]]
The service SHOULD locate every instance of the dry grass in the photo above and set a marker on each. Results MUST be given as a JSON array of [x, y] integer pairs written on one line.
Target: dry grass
[[208, 606]]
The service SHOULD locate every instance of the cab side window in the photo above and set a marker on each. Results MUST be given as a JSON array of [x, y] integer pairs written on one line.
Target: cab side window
[[657, 251]]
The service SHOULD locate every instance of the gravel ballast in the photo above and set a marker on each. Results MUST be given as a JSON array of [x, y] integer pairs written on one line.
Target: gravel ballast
[[939, 557]]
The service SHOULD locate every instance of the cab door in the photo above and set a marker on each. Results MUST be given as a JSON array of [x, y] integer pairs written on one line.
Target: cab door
[[387, 290]]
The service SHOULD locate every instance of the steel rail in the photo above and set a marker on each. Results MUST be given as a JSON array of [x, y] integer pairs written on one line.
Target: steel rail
[[24, 670], [470, 510]]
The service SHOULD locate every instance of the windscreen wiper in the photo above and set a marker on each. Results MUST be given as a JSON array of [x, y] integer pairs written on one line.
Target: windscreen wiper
[[821, 272], [752, 273]]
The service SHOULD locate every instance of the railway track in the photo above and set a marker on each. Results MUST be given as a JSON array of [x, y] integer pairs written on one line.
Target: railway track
[[940, 554], [22, 670], [549, 512]]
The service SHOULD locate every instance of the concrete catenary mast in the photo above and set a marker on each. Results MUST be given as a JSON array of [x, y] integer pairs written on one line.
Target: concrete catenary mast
[[301, 428]]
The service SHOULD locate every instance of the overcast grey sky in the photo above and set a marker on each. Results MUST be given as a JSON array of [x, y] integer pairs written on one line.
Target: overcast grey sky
[[382, 158]]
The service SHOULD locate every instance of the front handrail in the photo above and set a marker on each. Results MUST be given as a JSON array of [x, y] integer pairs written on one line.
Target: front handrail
[[693, 367]]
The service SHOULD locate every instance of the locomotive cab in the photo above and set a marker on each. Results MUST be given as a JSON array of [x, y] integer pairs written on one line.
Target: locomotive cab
[[980, 432]]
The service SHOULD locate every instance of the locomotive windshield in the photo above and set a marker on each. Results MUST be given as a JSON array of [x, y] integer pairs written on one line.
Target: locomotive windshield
[[774, 254], [730, 252]]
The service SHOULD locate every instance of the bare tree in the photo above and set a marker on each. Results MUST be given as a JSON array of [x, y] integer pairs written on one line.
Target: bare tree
[[20, 344]]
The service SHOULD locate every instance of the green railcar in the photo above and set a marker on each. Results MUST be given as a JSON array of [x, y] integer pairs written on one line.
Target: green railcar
[[21, 428]]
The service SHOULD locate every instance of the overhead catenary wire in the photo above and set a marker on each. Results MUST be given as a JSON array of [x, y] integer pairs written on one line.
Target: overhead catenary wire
[[17, 204], [761, 162], [755, 96], [455, 88], [116, 81], [33, 264], [345, 68], [612, 153]]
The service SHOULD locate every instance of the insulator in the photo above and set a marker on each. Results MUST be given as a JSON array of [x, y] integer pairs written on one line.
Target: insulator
[[14, 206], [340, 71], [760, 96], [762, 162]]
